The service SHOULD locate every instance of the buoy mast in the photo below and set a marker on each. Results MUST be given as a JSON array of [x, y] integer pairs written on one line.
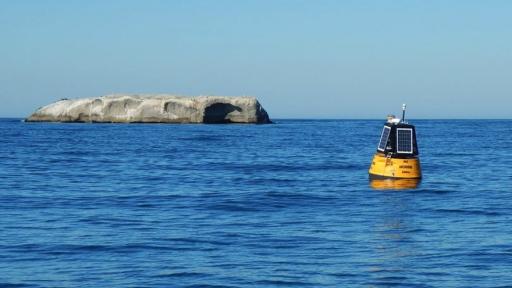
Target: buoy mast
[[403, 112]]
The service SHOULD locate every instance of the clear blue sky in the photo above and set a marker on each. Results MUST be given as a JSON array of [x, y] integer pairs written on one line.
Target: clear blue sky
[[302, 59]]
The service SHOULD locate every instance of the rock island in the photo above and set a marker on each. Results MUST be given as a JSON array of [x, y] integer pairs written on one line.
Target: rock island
[[159, 108]]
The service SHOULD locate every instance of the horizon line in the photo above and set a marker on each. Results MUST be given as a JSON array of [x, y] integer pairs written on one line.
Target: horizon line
[[331, 119]]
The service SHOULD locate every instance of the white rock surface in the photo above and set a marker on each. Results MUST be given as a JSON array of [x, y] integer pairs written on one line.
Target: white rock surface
[[161, 108]]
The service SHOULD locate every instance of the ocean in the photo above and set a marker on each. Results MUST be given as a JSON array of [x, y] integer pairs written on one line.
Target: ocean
[[282, 205]]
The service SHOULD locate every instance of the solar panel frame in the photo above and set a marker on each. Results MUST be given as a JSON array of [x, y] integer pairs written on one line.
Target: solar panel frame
[[404, 145], [384, 142]]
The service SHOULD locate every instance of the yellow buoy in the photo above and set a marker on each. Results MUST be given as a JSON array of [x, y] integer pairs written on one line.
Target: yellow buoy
[[397, 154]]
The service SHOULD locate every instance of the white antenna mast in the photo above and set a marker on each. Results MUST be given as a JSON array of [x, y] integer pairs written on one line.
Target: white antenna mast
[[403, 112]]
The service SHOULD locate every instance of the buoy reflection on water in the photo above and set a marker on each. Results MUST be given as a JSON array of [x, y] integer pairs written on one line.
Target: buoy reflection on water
[[394, 184]]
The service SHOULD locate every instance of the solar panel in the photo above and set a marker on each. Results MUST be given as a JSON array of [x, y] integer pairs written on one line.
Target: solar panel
[[384, 138], [404, 140]]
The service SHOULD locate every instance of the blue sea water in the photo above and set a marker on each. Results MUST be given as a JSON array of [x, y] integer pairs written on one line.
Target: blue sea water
[[284, 205]]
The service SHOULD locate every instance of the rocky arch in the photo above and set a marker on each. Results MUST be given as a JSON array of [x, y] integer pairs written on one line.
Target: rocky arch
[[218, 113]]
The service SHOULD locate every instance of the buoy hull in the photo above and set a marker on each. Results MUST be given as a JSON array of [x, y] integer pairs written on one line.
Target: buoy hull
[[384, 167]]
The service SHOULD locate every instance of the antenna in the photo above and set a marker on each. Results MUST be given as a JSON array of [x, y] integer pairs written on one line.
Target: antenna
[[403, 112]]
